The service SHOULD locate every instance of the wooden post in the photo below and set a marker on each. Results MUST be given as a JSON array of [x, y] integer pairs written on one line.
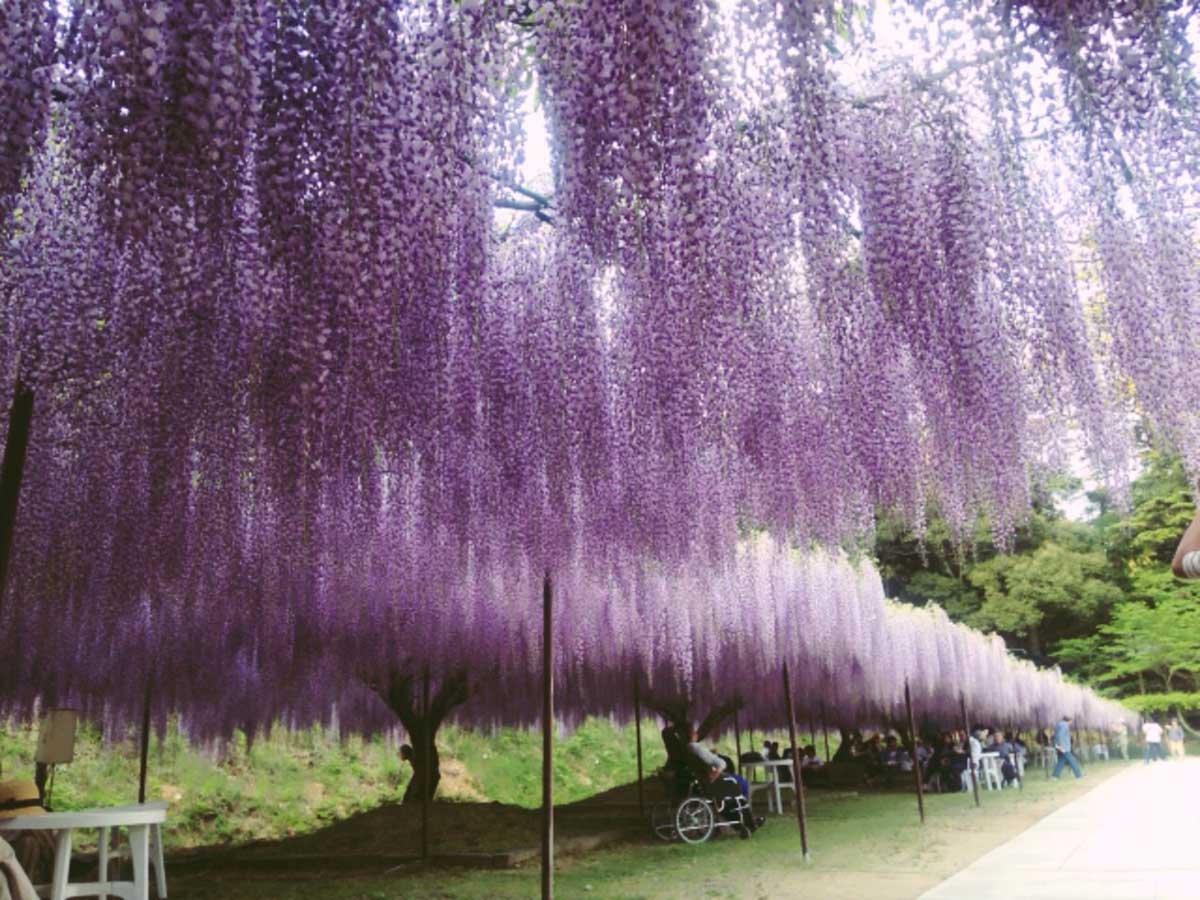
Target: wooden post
[[426, 793], [637, 726], [737, 742], [145, 743], [825, 728], [12, 470], [547, 741], [962, 705], [912, 731], [797, 781]]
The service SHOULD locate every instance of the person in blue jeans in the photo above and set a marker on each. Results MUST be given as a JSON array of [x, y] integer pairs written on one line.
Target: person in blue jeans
[[1062, 743]]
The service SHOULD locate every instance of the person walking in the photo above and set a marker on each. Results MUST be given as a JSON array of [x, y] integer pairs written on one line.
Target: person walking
[[1175, 739], [1152, 734], [1062, 746]]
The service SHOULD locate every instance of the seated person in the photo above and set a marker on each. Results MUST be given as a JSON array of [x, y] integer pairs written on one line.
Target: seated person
[[948, 764], [811, 766], [1007, 754], [923, 753], [32, 850], [848, 747], [699, 758], [752, 756], [720, 786], [773, 750], [893, 755], [871, 755], [731, 770]]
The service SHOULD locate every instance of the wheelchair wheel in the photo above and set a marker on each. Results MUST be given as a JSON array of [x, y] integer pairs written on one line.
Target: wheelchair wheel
[[695, 820], [662, 821]]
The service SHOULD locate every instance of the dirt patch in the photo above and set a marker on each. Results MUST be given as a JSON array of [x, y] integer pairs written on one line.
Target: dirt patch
[[468, 834]]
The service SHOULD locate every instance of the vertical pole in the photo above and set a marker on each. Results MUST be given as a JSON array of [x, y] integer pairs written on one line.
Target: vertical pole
[[427, 775], [637, 725], [145, 743], [825, 728], [812, 728], [962, 705], [912, 730], [12, 470], [796, 772], [737, 742], [547, 741]]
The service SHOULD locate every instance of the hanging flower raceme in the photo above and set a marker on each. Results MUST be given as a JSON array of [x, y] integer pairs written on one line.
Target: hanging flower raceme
[[301, 402], [26, 71]]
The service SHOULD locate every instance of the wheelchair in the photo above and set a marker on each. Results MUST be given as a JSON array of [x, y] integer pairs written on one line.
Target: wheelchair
[[698, 816]]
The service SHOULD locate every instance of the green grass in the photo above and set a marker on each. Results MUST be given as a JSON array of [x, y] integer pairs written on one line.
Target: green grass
[[236, 792], [862, 845]]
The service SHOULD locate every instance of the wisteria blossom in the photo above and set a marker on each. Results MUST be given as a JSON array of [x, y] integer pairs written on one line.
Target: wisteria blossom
[[305, 407]]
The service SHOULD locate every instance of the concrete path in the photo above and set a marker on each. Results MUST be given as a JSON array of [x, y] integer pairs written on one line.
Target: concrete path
[[1135, 837]]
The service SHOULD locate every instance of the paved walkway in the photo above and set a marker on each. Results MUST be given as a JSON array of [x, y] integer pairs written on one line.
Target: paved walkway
[[1135, 837]]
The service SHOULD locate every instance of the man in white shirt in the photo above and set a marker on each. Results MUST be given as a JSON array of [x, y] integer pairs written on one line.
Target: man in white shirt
[[1186, 563], [1152, 732]]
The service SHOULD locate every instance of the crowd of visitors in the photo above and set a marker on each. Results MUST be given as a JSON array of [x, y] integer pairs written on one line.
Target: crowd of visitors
[[945, 760]]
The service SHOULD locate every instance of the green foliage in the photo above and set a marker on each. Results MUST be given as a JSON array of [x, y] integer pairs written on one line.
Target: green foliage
[[1067, 576], [1162, 509], [1160, 640], [292, 782], [1174, 701], [277, 786], [1097, 598]]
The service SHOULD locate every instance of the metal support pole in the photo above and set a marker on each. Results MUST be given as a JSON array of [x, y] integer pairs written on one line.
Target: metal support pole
[[427, 775], [737, 742], [912, 731], [547, 740], [637, 726], [825, 728], [12, 470], [145, 749], [797, 781], [962, 705]]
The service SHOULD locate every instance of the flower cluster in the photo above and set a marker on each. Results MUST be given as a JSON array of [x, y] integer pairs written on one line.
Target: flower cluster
[[301, 405]]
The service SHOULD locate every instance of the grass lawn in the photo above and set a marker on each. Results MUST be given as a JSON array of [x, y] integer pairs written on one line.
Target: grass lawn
[[868, 844]]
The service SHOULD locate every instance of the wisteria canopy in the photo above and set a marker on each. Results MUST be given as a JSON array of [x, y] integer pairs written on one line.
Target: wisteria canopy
[[307, 407]]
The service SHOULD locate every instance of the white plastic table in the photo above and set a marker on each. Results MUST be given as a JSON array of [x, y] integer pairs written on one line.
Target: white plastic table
[[142, 821], [774, 786]]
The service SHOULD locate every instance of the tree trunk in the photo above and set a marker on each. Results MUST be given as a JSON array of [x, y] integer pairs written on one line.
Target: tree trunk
[[423, 768], [12, 470], [1035, 641]]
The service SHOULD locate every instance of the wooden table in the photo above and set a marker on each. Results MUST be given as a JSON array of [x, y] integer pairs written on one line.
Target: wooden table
[[774, 786], [142, 821]]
